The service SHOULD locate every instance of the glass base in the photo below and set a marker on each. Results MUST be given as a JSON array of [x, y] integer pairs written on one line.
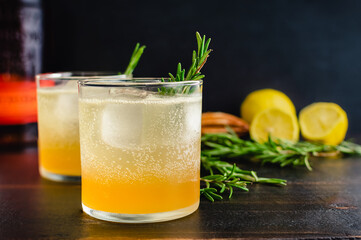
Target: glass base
[[141, 218], [58, 177]]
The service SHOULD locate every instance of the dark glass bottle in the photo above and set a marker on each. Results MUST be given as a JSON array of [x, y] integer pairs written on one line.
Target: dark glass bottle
[[20, 60]]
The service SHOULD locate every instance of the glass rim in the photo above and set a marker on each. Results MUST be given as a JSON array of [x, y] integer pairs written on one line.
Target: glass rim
[[136, 82], [92, 75]]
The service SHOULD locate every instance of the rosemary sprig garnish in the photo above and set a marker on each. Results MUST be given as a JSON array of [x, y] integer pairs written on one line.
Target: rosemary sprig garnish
[[229, 177], [199, 58], [280, 152], [134, 59]]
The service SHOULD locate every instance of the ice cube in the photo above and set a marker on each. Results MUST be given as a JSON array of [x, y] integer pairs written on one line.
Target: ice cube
[[71, 84], [128, 93], [121, 124], [193, 116], [170, 121], [66, 110]]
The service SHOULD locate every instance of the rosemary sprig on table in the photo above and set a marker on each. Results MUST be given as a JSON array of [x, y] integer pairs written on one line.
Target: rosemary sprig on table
[[199, 58], [225, 176], [134, 59], [280, 152]]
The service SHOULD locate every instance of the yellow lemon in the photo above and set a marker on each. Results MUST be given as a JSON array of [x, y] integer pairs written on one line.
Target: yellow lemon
[[323, 122], [260, 100], [275, 123]]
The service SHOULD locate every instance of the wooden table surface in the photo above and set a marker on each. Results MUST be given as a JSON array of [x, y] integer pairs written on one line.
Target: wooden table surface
[[324, 203]]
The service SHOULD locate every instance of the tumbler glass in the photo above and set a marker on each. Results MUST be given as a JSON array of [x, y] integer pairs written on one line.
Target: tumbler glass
[[140, 149], [58, 123]]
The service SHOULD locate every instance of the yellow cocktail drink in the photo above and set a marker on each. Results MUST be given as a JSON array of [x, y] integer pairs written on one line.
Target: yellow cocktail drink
[[166, 186], [59, 148]]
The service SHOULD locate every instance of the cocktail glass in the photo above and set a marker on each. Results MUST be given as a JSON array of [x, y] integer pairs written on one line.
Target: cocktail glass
[[58, 123], [140, 149]]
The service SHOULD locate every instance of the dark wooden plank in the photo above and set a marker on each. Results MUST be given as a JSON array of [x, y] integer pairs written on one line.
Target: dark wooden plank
[[323, 203]]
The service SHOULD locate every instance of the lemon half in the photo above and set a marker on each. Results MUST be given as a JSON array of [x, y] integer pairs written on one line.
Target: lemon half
[[275, 123], [323, 122]]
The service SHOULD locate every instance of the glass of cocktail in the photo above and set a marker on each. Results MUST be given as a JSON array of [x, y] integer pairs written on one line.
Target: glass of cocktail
[[58, 123], [140, 149]]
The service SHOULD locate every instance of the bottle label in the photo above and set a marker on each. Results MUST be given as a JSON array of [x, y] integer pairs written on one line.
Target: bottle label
[[18, 102]]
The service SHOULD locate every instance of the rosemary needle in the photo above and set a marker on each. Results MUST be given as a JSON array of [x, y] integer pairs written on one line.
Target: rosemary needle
[[134, 59]]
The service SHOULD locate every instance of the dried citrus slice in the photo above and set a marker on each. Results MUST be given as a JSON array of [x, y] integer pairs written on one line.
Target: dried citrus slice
[[275, 123], [323, 122], [262, 99]]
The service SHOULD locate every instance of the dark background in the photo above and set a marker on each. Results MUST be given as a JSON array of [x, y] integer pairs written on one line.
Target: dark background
[[311, 50]]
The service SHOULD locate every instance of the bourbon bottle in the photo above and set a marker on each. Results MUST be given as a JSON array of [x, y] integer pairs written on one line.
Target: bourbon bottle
[[20, 60]]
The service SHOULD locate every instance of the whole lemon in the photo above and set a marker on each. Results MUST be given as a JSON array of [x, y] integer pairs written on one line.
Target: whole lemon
[[263, 99]]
